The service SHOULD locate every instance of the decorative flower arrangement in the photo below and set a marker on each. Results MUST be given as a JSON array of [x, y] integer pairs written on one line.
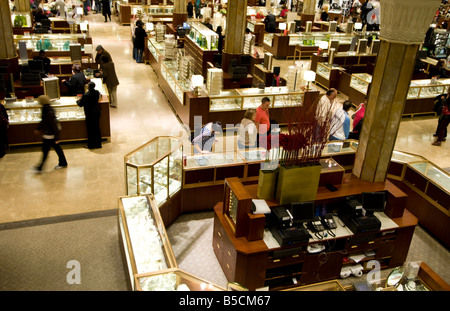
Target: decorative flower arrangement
[[308, 128]]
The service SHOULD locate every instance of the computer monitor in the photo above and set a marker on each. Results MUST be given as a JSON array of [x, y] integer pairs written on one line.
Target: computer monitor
[[36, 65], [302, 211], [373, 201], [422, 54]]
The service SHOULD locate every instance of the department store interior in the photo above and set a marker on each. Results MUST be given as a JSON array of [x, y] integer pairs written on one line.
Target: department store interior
[[146, 212]]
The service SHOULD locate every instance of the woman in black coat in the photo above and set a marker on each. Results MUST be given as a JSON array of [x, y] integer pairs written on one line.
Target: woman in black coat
[[4, 124], [106, 8], [49, 129], [139, 41], [92, 116]]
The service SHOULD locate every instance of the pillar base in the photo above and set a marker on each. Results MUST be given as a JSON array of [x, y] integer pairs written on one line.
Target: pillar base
[[307, 18], [178, 19]]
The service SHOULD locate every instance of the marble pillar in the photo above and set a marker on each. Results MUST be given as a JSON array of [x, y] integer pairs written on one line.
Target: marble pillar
[[308, 12], [22, 5], [179, 12], [8, 54], [235, 31], [404, 24]]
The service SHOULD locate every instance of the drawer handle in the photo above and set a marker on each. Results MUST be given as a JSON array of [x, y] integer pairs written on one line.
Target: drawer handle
[[219, 234], [371, 242], [295, 256], [354, 246], [276, 260], [229, 254], [228, 266], [218, 246]]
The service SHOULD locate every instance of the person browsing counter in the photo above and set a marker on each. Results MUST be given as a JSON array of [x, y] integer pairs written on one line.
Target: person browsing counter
[[247, 131], [262, 120], [204, 141]]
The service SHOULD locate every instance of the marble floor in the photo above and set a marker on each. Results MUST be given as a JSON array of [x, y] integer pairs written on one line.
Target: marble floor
[[94, 179]]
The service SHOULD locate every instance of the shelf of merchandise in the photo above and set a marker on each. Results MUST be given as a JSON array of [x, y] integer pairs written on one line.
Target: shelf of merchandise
[[428, 189]]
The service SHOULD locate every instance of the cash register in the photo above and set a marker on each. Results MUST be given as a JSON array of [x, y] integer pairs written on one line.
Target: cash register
[[359, 216], [287, 225]]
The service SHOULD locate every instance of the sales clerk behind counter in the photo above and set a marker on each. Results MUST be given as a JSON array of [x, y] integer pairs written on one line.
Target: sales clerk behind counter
[[204, 141]]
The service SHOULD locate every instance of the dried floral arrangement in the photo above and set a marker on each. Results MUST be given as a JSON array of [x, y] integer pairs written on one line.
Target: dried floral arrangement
[[308, 128]]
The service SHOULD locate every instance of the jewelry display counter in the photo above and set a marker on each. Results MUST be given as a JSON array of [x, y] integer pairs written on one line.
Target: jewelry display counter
[[155, 53], [428, 189], [230, 105], [327, 75], [54, 45], [308, 43], [24, 117], [143, 238]]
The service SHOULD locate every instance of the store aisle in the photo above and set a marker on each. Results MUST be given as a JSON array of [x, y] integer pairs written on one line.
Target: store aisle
[[94, 179]]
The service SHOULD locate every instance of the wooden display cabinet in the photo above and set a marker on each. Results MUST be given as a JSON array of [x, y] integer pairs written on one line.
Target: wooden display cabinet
[[259, 263]]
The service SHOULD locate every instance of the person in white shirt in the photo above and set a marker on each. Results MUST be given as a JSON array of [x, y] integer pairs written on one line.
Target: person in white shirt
[[327, 102], [247, 131], [60, 6], [340, 124]]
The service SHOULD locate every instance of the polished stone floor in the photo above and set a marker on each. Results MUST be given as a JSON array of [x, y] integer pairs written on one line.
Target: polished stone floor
[[94, 179]]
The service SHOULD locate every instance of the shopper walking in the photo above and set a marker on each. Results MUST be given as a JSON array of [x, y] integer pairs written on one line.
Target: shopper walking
[[98, 6], [108, 74], [106, 7], [443, 123], [89, 102], [49, 128]]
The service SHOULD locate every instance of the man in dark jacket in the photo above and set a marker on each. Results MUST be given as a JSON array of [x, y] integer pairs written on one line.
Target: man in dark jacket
[[101, 52], [108, 73], [77, 82], [269, 21], [92, 116]]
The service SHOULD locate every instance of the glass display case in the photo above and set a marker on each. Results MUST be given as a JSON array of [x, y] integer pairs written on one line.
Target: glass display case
[[144, 238], [314, 38], [268, 38], [23, 112], [242, 99], [204, 37], [155, 48], [360, 82], [427, 88], [170, 73], [21, 19], [166, 10], [49, 42], [324, 70], [173, 280], [155, 168], [433, 173], [333, 286]]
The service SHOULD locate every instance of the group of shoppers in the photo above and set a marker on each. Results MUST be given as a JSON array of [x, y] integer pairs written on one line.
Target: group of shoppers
[[49, 127]]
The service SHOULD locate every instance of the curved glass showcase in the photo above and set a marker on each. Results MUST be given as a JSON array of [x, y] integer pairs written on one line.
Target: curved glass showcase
[[173, 280], [155, 168], [144, 237]]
